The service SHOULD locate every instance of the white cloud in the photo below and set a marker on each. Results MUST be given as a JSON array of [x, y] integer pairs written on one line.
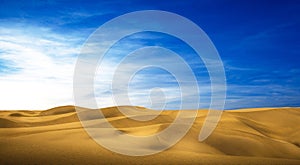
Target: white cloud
[[140, 84], [39, 68], [40, 65]]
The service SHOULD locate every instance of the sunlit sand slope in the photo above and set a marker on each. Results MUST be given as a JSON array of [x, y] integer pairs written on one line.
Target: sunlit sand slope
[[55, 136]]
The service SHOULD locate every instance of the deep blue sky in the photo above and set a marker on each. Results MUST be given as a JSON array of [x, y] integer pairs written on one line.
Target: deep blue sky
[[258, 42]]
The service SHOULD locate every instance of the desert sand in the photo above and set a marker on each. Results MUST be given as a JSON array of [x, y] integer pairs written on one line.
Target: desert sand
[[248, 136]]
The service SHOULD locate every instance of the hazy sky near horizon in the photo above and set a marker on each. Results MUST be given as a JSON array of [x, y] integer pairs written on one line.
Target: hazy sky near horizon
[[258, 42]]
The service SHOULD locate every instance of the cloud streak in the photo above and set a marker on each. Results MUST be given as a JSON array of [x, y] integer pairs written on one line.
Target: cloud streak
[[38, 68]]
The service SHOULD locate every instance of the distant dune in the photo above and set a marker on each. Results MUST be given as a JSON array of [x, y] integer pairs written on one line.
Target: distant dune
[[55, 136]]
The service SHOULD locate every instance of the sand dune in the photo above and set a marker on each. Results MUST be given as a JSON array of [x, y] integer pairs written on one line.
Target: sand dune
[[248, 136]]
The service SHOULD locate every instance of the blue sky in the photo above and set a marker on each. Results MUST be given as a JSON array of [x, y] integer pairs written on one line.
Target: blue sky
[[258, 42]]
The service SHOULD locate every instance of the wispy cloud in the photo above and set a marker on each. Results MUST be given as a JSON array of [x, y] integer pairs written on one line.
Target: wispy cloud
[[38, 66]]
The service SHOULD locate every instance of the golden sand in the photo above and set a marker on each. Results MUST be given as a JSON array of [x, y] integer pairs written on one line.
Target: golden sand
[[55, 136]]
